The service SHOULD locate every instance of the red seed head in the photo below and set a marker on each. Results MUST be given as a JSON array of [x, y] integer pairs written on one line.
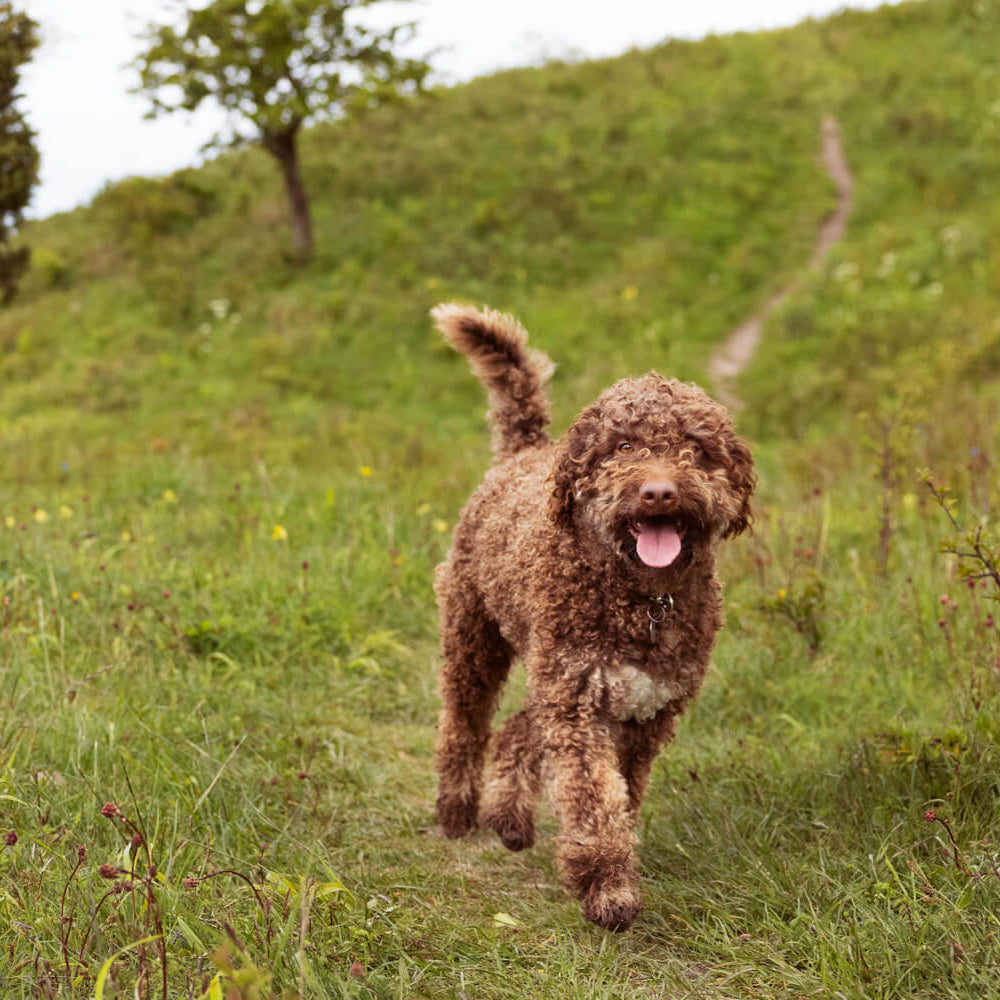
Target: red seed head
[[930, 816], [190, 883], [108, 871], [137, 840], [109, 809], [11, 839], [81, 853]]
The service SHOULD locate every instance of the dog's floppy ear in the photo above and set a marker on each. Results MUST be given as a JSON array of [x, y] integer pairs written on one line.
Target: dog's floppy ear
[[572, 458], [743, 481]]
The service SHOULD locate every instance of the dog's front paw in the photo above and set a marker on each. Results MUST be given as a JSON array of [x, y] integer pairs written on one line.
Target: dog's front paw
[[612, 907], [456, 816]]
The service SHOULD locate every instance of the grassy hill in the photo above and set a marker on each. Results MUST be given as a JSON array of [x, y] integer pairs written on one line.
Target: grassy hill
[[227, 480]]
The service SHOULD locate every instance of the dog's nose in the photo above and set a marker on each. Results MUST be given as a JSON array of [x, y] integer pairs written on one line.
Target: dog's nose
[[659, 492]]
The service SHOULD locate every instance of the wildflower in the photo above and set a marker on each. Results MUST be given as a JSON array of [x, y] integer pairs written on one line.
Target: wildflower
[[845, 271], [440, 525], [944, 599], [365, 470], [109, 809], [108, 871], [9, 521], [219, 308], [65, 512], [782, 593], [75, 596], [11, 839], [169, 496], [630, 293], [886, 264], [126, 535], [930, 816], [279, 534], [40, 515], [423, 509], [909, 501]]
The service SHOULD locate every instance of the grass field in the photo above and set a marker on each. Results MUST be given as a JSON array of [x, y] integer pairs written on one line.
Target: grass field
[[227, 480]]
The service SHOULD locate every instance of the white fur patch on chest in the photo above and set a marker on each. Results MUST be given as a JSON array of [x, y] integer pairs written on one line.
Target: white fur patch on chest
[[633, 694]]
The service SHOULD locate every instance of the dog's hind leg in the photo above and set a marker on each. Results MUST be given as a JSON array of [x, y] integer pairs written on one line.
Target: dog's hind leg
[[515, 783], [638, 745], [475, 661]]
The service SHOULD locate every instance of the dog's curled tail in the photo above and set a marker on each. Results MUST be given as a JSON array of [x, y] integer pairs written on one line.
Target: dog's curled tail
[[514, 374]]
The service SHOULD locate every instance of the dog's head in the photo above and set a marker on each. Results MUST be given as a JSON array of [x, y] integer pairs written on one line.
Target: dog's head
[[655, 471]]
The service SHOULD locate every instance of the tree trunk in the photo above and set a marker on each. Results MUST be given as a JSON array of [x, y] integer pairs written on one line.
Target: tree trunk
[[282, 146]]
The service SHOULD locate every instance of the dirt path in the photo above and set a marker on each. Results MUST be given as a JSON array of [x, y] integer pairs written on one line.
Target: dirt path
[[735, 353]]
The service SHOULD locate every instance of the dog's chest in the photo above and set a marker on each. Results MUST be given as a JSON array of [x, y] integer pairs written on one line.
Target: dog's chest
[[633, 694]]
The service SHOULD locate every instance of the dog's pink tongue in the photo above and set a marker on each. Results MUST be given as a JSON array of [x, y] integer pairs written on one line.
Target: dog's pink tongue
[[658, 545]]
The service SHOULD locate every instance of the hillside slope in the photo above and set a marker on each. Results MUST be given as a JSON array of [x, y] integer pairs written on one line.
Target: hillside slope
[[227, 479]]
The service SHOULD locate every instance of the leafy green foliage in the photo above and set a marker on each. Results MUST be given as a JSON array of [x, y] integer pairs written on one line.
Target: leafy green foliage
[[18, 155]]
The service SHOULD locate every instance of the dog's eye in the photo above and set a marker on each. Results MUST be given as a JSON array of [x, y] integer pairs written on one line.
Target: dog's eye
[[625, 446]]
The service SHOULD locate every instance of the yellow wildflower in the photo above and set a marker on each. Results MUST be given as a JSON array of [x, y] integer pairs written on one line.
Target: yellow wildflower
[[630, 293], [41, 516], [9, 521], [423, 509], [75, 596], [440, 525], [365, 470], [65, 512], [782, 593], [279, 534], [169, 496]]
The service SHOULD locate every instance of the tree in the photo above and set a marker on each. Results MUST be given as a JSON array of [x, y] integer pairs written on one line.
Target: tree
[[18, 155], [274, 66]]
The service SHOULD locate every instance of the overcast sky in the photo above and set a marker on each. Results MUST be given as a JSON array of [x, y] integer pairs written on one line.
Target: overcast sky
[[91, 130]]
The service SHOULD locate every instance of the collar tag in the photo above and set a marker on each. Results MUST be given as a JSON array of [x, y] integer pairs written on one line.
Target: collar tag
[[657, 611]]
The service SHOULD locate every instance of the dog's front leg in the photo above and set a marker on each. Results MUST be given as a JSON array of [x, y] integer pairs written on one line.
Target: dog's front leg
[[594, 847]]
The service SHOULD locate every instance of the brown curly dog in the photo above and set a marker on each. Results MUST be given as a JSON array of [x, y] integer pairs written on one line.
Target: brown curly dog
[[590, 558]]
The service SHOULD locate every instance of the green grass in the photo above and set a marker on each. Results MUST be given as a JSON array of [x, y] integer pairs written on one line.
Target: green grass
[[227, 481]]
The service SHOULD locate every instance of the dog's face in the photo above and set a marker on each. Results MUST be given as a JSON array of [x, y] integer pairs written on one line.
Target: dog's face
[[654, 471]]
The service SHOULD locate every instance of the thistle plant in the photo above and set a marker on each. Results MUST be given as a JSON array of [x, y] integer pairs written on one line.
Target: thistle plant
[[977, 549]]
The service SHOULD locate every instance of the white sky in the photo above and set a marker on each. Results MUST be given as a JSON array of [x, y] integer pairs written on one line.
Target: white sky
[[91, 130]]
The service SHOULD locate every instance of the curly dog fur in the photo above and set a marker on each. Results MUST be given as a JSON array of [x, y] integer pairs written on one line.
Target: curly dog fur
[[591, 559]]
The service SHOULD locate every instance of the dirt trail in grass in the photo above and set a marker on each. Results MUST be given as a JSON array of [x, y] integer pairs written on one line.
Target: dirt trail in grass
[[735, 353]]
